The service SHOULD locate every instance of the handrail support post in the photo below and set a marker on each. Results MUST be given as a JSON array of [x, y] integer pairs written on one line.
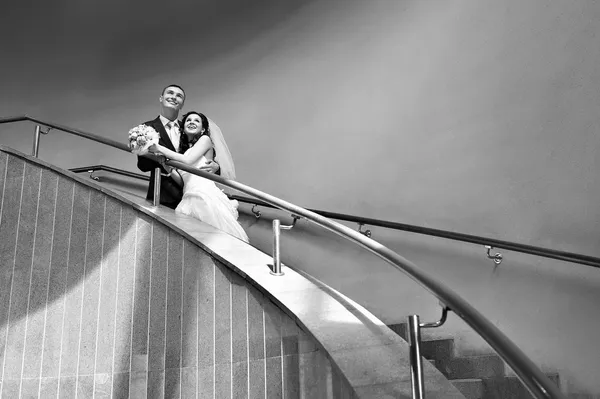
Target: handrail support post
[[416, 364], [277, 227], [156, 196], [414, 340], [276, 267], [36, 141]]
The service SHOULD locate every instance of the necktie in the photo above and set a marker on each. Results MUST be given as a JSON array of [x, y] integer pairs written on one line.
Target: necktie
[[173, 134]]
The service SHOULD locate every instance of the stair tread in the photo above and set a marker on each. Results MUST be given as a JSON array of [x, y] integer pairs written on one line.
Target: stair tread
[[475, 356], [471, 388]]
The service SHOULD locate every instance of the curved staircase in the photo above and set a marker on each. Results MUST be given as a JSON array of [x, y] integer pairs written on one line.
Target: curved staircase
[[107, 296], [480, 376]]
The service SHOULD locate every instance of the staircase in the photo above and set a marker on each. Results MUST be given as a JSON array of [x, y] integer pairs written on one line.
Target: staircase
[[476, 377]]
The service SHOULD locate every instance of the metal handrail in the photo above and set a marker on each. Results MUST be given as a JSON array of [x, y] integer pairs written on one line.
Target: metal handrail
[[66, 129], [110, 169], [492, 242], [530, 375]]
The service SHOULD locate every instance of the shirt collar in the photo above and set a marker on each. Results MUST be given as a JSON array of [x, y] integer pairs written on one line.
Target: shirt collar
[[165, 121]]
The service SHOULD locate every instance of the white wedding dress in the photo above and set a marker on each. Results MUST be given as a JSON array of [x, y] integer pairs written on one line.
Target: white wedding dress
[[203, 200]]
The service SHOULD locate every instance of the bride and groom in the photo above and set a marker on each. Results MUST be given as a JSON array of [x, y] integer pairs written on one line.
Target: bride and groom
[[198, 142]]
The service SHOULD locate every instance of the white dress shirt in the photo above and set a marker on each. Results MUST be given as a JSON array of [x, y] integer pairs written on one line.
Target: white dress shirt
[[172, 128]]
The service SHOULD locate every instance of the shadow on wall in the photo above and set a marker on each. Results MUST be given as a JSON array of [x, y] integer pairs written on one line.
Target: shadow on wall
[[100, 299], [52, 226], [60, 258]]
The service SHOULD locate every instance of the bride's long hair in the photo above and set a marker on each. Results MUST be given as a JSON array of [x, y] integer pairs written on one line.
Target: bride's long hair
[[222, 155], [186, 142]]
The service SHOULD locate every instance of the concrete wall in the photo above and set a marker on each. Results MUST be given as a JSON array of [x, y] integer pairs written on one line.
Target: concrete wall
[[98, 299]]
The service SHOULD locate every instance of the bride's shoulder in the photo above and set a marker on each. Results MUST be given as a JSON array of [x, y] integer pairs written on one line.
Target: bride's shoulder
[[201, 142], [196, 140], [204, 138]]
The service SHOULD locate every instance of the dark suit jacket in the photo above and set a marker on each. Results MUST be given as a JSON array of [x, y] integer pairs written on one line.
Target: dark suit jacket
[[170, 191]]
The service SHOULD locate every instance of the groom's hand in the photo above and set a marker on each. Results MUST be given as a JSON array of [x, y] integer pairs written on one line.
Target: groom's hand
[[210, 167]]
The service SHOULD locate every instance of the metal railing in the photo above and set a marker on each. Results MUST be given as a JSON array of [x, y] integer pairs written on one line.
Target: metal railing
[[530, 375], [488, 243]]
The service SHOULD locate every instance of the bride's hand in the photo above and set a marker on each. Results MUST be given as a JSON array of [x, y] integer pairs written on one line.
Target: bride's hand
[[154, 149]]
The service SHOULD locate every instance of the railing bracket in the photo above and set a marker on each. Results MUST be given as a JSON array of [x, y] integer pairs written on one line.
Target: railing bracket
[[440, 322], [91, 172], [366, 233], [497, 258], [295, 218]]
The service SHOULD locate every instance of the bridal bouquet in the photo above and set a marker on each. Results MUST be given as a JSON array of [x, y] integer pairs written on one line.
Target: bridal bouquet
[[141, 137]]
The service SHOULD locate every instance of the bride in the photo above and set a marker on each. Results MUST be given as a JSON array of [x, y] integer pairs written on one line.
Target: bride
[[202, 198]]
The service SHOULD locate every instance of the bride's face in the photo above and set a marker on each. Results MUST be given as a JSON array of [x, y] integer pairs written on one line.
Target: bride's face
[[193, 124]]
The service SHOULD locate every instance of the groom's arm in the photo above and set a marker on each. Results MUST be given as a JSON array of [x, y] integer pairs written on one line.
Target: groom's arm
[[211, 167], [148, 165]]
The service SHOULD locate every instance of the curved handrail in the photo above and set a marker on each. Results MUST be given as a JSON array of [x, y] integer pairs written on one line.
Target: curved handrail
[[531, 376], [511, 246]]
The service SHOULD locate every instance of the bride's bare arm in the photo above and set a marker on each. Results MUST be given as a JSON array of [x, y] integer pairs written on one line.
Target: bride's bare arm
[[171, 171], [191, 156], [176, 176]]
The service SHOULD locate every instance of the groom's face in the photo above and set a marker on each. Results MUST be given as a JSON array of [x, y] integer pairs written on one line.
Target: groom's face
[[173, 98]]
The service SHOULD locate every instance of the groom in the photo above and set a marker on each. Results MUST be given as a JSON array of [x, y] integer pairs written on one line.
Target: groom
[[171, 136]]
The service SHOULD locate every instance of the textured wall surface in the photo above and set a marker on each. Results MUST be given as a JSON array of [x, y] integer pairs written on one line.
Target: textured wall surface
[[99, 299]]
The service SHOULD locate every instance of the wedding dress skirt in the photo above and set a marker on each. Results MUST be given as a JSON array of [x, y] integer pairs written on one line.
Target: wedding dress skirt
[[203, 200]]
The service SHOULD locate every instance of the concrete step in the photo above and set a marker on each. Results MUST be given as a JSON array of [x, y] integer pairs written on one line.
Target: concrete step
[[480, 366], [471, 388], [505, 387], [441, 351], [509, 387]]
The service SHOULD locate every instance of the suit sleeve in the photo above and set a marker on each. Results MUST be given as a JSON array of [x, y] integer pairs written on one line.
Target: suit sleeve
[[147, 165]]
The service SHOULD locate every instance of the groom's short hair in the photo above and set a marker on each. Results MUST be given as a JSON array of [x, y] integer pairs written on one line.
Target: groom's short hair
[[162, 93]]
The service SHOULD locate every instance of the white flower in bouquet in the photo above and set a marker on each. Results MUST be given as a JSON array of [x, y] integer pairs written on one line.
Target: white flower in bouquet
[[141, 137]]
